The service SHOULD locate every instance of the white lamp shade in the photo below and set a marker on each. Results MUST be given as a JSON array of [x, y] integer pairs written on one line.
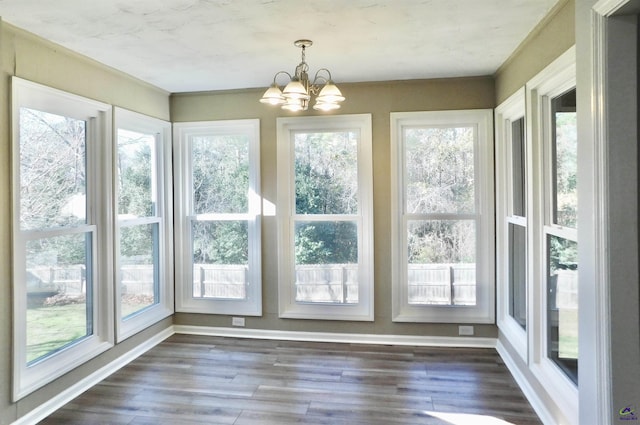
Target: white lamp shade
[[330, 94], [326, 106], [273, 96], [295, 90], [294, 105]]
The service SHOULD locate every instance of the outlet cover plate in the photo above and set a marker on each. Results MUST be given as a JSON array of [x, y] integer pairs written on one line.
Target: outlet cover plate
[[465, 330]]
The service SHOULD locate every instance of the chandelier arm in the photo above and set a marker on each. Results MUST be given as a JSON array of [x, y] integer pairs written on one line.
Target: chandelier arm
[[323, 78], [281, 72]]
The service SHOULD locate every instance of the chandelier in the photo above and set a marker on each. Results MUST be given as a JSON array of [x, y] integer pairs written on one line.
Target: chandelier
[[296, 94]]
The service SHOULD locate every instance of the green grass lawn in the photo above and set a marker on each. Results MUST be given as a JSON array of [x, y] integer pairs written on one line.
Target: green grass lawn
[[568, 330], [132, 305], [51, 328]]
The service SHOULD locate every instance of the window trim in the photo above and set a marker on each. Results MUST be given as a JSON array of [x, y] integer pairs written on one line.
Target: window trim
[[129, 120], [484, 310], [288, 307], [511, 109], [99, 155], [185, 302]]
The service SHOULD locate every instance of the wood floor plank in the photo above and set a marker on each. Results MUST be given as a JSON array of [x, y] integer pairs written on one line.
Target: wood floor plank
[[165, 412], [259, 418], [194, 380], [374, 414], [66, 416], [329, 395]]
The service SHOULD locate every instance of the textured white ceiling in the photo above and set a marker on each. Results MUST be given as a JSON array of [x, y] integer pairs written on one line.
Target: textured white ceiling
[[194, 45]]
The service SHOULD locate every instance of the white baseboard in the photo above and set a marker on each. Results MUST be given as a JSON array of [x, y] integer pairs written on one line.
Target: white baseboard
[[534, 399], [433, 341], [50, 406]]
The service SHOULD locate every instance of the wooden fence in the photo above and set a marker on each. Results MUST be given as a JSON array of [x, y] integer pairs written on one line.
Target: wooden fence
[[68, 280], [72, 280], [428, 284], [220, 281], [327, 283], [442, 284], [138, 280], [564, 285]]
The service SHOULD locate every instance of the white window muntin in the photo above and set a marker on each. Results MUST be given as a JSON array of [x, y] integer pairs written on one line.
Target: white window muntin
[[185, 217], [97, 116], [483, 310], [161, 217], [290, 308]]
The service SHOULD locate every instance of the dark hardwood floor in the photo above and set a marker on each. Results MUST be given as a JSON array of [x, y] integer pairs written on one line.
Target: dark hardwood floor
[[213, 380]]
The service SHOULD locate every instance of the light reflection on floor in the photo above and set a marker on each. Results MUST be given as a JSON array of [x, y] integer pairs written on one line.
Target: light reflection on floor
[[468, 419]]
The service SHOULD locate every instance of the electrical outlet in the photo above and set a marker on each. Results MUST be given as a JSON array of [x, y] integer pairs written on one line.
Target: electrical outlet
[[237, 321], [465, 330]]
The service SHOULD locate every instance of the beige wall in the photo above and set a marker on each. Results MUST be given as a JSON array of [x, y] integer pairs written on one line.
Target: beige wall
[[551, 37], [378, 99], [31, 58]]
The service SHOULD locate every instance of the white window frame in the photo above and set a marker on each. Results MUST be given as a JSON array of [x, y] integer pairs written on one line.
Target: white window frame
[[128, 120], [288, 307], [185, 302], [28, 378], [506, 113], [484, 310], [554, 80]]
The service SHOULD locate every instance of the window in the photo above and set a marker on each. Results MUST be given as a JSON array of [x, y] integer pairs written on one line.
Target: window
[[144, 277], [218, 207], [512, 230], [517, 227], [552, 264], [325, 217], [61, 234], [560, 232], [442, 241]]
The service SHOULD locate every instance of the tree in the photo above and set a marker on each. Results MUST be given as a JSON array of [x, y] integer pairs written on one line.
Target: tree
[[326, 183], [440, 178], [52, 170], [52, 184], [566, 167], [220, 186]]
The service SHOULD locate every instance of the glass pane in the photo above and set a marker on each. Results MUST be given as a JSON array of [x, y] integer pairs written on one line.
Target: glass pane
[[562, 304], [220, 174], [518, 274], [442, 262], [326, 262], [136, 174], [59, 308], [139, 269], [326, 172], [518, 168], [220, 259], [439, 167], [52, 170], [565, 160]]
